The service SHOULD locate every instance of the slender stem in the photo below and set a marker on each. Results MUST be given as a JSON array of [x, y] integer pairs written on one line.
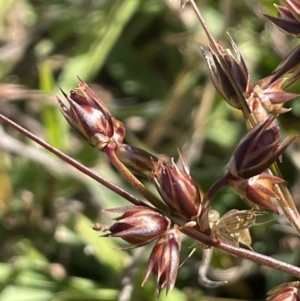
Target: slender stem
[[261, 259], [244, 253], [73, 162], [214, 188], [207, 240], [211, 39], [135, 183], [203, 219]]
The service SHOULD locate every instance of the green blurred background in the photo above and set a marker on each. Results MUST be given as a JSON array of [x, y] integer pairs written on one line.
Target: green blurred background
[[143, 58]]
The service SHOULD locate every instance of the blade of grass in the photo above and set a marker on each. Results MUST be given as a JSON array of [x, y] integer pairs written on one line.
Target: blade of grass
[[88, 64]]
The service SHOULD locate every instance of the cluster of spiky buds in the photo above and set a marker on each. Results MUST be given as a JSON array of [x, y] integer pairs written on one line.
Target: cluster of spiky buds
[[267, 96], [177, 188], [139, 225], [236, 67], [255, 153], [259, 148], [89, 116], [164, 260], [286, 291]]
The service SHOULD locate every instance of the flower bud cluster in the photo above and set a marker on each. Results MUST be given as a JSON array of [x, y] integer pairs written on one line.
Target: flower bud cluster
[[164, 260], [185, 209], [90, 118], [236, 66], [178, 189], [140, 225], [261, 147], [255, 153], [266, 96]]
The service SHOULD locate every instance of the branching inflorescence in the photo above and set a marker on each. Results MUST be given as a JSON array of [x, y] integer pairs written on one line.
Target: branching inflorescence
[[178, 207]]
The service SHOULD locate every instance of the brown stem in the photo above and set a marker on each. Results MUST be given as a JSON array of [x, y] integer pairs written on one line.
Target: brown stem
[[261, 259], [244, 253], [73, 162], [201, 237], [203, 219], [132, 180], [214, 188]]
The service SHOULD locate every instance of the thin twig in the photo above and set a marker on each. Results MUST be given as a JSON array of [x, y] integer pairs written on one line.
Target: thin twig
[[244, 253], [73, 162]]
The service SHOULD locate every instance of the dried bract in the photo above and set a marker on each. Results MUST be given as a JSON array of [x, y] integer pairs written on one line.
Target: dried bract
[[89, 116], [257, 190], [164, 260], [271, 95], [289, 291], [233, 227], [178, 189], [257, 150], [138, 225]]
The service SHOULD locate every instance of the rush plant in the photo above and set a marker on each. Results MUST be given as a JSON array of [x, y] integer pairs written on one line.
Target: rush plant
[[171, 204]]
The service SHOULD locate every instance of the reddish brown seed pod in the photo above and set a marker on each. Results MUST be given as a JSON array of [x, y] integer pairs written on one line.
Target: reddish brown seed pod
[[257, 150], [89, 117], [138, 225], [178, 189], [164, 260]]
